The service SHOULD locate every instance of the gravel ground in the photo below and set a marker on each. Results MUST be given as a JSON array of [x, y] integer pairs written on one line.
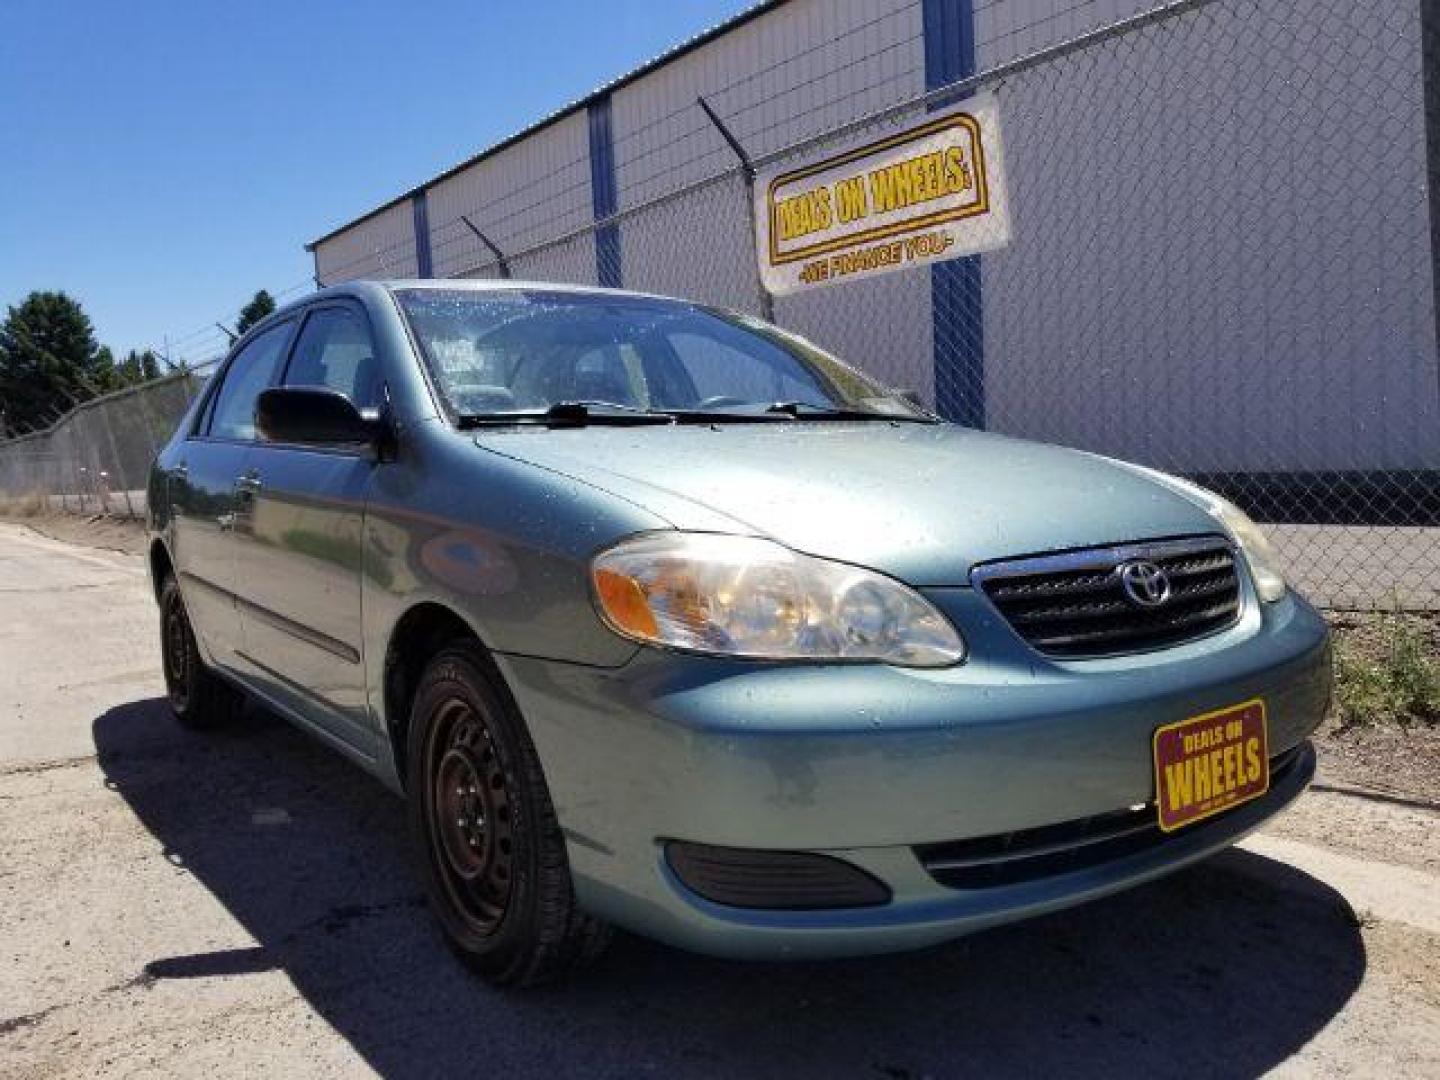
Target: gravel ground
[[1387, 758], [241, 904]]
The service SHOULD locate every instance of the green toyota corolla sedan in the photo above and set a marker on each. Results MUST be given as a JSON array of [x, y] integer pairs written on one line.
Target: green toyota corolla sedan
[[659, 616]]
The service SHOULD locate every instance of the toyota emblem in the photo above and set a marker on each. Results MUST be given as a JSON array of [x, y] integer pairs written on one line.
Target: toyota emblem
[[1146, 584]]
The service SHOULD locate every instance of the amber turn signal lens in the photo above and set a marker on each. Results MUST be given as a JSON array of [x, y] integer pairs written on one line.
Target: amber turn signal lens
[[623, 602]]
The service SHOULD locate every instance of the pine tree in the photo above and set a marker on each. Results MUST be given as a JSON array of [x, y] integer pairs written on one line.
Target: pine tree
[[49, 360], [260, 305], [137, 367]]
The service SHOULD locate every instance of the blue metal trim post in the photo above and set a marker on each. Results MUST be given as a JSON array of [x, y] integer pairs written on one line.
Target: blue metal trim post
[[603, 194], [955, 287], [1430, 62], [420, 215]]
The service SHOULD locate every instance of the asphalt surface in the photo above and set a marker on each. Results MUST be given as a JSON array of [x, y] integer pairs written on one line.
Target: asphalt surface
[[242, 904]]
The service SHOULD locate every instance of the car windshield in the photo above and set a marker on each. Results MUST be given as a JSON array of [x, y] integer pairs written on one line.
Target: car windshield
[[512, 353]]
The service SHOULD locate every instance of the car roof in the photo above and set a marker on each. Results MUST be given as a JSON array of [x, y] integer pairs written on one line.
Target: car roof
[[510, 285], [364, 288]]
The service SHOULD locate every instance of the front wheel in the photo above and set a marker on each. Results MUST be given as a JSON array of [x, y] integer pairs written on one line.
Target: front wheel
[[492, 852]]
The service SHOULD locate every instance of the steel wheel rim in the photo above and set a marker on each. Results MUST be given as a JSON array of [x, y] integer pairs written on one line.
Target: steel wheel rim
[[469, 815], [176, 654]]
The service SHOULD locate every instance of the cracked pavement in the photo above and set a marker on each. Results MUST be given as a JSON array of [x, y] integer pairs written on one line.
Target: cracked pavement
[[241, 903]]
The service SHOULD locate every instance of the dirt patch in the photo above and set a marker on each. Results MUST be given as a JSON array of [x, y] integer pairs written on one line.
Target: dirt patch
[[1387, 758], [1363, 824], [97, 531]]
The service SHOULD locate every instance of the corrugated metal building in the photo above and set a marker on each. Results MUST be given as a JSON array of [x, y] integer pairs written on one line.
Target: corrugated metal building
[[1224, 258]]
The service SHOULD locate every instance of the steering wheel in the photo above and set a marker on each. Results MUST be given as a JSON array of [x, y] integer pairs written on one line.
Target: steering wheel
[[718, 401]]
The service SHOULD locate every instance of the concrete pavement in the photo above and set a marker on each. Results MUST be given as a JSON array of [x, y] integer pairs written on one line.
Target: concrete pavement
[[77, 633]]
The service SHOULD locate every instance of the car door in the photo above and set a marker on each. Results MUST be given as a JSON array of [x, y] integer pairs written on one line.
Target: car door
[[204, 490], [299, 556]]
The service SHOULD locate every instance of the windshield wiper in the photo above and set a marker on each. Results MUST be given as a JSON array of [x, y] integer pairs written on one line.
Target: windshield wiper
[[573, 413], [613, 413], [804, 410]]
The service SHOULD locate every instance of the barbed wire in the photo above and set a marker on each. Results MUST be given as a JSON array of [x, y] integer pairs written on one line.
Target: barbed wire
[[499, 204]]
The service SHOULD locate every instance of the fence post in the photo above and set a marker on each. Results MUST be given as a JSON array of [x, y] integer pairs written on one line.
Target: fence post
[[500, 261], [119, 469], [76, 470], [140, 397], [747, 170]]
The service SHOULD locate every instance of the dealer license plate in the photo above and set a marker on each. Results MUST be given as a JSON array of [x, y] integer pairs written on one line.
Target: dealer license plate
[[1210, 763]]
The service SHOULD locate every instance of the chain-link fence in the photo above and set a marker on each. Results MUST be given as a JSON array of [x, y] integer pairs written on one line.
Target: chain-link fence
[[1222, 261], [97, 459], [1222, 267]]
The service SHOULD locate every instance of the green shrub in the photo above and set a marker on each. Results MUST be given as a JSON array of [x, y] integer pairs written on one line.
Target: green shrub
[[1387, 671]]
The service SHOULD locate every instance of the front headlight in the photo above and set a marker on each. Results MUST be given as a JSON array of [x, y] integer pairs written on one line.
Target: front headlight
[[1259, 552], [743, 596]]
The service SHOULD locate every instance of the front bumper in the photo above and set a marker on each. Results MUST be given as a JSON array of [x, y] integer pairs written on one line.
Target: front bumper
[[866, 763]]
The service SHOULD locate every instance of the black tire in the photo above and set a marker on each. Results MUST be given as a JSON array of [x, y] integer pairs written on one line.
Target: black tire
[[198, 697], [492, 853]]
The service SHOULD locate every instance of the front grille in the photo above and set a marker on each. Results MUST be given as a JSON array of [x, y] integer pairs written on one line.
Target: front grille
[[1013, 858], [1074, 605]]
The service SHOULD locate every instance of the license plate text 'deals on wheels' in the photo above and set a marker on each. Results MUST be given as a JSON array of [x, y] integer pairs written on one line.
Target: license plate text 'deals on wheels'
[[1210, 763]]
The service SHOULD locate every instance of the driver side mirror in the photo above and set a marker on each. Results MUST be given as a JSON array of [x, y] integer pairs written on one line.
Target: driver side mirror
[[315, 416]]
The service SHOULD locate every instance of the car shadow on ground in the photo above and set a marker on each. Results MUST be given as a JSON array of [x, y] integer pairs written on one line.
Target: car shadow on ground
[[1224, 969]]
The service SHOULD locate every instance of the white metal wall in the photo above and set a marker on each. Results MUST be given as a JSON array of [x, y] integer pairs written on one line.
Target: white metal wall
[[527, 193], [382, 246], [797, 71], [1006, 29], [1151, 265], [1118, 322]]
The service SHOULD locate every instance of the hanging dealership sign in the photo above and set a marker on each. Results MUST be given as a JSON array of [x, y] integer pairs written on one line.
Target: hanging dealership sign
[[931, 192]]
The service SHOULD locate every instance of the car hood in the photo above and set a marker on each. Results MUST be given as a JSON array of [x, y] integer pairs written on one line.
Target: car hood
[[922, 502]]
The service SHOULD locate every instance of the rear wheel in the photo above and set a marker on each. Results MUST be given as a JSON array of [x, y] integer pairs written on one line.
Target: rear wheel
[[484, 828], [197, 696]]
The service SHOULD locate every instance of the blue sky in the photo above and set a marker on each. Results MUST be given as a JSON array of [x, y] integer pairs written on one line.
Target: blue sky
[[163, 160]]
